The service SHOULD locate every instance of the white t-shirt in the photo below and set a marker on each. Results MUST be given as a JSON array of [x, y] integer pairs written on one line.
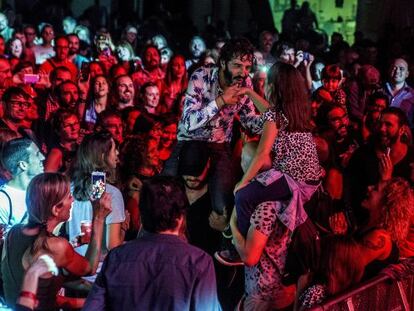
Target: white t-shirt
[[82, 210], [18, 199], [42, 53]]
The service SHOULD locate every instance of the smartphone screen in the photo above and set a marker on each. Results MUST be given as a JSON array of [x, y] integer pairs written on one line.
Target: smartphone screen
[[98, 185], [30, 78]]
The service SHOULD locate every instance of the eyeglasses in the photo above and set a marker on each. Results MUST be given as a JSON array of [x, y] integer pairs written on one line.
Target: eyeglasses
[[30, 33], [20, 104]]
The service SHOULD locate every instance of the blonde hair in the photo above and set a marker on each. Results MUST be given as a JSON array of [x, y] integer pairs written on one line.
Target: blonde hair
[[398, 208]]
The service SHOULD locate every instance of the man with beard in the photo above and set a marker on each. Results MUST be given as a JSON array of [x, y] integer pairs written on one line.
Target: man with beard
[[386, 155], [74, 55], [333, 126], [401, 95], [61, 59], [193, 167], [197, 48], [213, 98], [49, 99], [151, 72], [266, 40], [69, 98], [377, 102], [124, 96]]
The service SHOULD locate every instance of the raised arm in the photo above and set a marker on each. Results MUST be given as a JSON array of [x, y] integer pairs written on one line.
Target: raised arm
[[64, 254], [198, 108], [270, 131]]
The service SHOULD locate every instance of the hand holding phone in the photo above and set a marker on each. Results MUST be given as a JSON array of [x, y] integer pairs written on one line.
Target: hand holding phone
[[98, 185]]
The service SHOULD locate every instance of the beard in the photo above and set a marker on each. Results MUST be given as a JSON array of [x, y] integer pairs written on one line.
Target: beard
[[384, 141], [195, 184], [233, 80]]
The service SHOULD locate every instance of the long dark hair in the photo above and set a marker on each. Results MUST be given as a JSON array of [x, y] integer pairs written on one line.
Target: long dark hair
[[287, 93], [340, 267], [91, 156], [43, 193], [169, 74]]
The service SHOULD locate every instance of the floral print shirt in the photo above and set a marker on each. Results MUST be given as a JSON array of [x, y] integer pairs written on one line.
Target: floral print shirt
[[203, 120]]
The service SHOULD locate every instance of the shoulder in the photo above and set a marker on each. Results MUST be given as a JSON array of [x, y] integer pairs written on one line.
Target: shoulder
[[114, 191], [203, 73], [59, 245], [377, 244]]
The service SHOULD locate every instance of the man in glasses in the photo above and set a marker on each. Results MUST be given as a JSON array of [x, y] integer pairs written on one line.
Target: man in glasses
[[16, 103], [61, 58]]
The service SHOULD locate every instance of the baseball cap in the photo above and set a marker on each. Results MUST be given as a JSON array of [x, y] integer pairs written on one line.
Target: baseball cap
[[193, 158]]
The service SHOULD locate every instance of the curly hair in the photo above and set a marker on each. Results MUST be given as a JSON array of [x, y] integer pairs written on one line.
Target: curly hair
[[397, 204], [235, 48]]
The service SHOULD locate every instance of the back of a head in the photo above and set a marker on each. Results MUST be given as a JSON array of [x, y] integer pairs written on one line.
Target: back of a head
[[163, 201], [288, 93], [15, 151], [339, 267], [45, 191]]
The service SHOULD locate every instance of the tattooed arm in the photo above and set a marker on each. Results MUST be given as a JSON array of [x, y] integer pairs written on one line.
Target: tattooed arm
[[376, 245]]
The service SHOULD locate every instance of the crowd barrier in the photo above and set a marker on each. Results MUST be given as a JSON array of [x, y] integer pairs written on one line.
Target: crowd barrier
[[392, 291]]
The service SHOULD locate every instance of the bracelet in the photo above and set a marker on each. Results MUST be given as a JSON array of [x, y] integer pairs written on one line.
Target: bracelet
[[227, 232], [29, 295]]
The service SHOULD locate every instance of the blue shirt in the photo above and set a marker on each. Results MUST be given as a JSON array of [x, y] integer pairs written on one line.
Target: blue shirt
[[404, 100], [155, 272], [203, 120]]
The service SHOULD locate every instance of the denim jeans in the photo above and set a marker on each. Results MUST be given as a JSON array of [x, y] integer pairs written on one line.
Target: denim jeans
[[221, 179], [249, 197]]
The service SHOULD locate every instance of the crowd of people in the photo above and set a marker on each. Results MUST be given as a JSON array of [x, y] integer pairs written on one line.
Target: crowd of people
[[284, 154]]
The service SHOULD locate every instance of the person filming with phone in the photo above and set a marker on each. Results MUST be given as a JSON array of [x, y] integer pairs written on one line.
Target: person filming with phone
[[96, 153], [49, 202]]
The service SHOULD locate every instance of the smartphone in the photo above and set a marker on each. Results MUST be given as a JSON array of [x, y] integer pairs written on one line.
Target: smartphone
[[98, 185], [30, 78], [306, 56], [84, 72]]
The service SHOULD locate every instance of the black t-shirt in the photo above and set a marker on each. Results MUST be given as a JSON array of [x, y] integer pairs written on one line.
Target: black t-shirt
[[200, 233]]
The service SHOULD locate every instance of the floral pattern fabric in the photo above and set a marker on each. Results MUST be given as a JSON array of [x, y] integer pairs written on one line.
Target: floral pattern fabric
[[203, 120]]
